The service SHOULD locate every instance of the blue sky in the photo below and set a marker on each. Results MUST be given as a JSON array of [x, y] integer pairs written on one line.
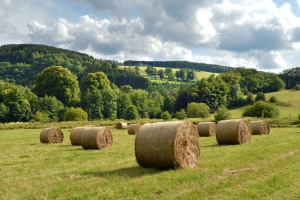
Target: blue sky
[[261, 34]]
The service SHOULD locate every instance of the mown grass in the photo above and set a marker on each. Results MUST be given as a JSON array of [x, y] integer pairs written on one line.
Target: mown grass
[[265, 168], [288, 103]]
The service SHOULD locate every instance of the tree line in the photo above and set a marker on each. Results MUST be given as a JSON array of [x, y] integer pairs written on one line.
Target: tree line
[[101, 90], [57, 95], [20, 64], [180, 65]]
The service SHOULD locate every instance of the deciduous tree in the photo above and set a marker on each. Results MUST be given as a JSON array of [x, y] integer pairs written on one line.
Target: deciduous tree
[[59, 82]]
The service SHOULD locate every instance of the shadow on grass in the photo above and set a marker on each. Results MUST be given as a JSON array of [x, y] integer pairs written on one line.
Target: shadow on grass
[[135, 171], [210, 145]]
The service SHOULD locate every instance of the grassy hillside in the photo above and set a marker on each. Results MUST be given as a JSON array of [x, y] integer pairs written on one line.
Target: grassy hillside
[[265, 168], [199, 75], [288, 103]]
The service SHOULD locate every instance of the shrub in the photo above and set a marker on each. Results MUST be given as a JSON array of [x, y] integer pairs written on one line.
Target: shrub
[[195, 110], [166, 115], [131, 113], [260, 96], [273, 99], [222, 114], [181, 114], [61, 113], [75, 114], [296, 87], [113, 116], [41, 117], [250, 98], [261, 109]]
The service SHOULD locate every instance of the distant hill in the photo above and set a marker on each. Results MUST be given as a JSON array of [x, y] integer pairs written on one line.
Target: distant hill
[[20, 63], [181, 64]]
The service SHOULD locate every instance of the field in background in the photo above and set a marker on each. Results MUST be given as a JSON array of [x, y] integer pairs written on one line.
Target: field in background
[[288, 103], [265, 168], [199, 75]]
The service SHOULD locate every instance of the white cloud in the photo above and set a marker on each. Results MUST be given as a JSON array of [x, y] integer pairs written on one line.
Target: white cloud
[[250, 33], [254, 25]]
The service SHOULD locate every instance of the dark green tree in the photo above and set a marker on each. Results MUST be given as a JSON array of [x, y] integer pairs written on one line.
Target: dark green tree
[[161, 73], [260, 96], [109, 98], [92, 103], [273, 99], [190, 74], [3, 112], [17, 107], [94, 81], [182, 74], [290, 77], [169, 104], [126, 89], [123, 102], [261, 109], [177, 75], [138, 99], [50, 105], [59, 82], [169, 73], [131, 113], [151, 71], [137, 70], [250, 98]]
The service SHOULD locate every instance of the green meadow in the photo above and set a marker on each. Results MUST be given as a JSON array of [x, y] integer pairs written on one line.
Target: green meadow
[[265, 168], [199, 75], [288, 103]]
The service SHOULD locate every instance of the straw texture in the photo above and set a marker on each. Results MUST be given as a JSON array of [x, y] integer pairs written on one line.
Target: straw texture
[[52, 135], [207, 128]]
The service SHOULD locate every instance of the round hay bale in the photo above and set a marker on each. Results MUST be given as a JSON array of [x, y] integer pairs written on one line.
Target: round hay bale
[[260, 127], [133, 128], [52, 135], [207, 128], [75, 135], [96, 138], [236, 131], [121, 125], [168, 145]]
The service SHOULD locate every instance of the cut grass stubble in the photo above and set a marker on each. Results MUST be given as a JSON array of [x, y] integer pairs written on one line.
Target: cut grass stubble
[[265, 168]]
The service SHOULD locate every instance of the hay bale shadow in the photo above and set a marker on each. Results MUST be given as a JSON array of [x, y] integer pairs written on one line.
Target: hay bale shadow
[[211, 145], [135, 171]]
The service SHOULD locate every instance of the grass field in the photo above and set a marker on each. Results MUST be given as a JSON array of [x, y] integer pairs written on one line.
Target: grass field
[[199, 75], [288, 104], [266, 168]]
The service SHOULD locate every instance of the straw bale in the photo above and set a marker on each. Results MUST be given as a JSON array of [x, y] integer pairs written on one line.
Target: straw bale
[[133, 128], [260, 127], [121, 125], [207, 128], [96, 138], [237, 131], [168, 145], [75, 135], [52, 135]]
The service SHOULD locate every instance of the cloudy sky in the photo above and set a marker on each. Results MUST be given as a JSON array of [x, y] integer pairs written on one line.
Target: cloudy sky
[[261, 34]]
